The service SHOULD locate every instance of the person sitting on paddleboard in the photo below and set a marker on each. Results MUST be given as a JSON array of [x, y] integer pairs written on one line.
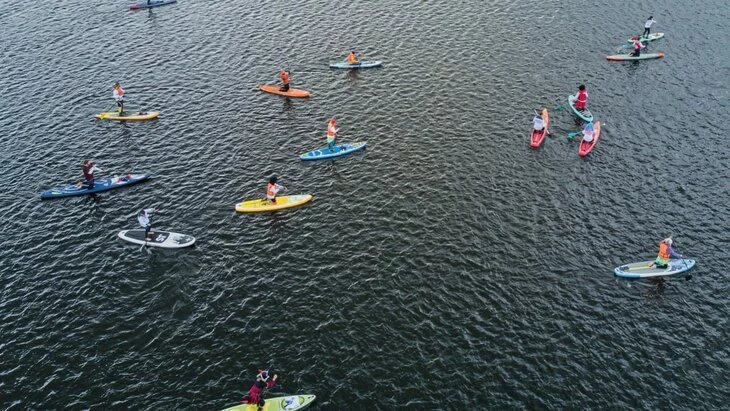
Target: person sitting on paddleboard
[[144, 218], [272, 189], [352, 58], [284, 80], [665, 253], [118, 94], [88, 169], [538, 123], [647, 26], [588, 133], [581, 98], [331, 134], [256, 393]]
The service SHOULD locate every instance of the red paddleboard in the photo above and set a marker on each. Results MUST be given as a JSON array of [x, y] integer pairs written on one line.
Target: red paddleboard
[[586, 148], [537, 137]]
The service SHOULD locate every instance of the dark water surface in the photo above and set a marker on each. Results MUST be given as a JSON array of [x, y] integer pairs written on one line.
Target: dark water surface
[[449, 266]]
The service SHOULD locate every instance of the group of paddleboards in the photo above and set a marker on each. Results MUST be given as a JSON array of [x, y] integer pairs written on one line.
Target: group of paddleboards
[[578, 105], [592, 130], [667, 262]]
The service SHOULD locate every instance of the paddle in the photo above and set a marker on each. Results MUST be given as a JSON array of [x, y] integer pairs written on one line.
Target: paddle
[[571, 135]]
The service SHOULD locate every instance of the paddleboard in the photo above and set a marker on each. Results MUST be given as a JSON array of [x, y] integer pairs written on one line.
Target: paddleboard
[[259, 206], [584, 115], [151, 4], [361, 65], [642, 270], [99, 186], [536, 137], [585, 148], [626, 57], [651, 37], [290, 403], [128, 115], [293, 92], [162, 239], [341, 150]]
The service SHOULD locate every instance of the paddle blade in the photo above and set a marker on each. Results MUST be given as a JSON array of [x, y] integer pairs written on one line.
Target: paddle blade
[[558, 108]]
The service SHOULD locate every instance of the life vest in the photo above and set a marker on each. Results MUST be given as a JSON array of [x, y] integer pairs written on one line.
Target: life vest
[[271, 191], [637, 45], [284, 77], [664, 252], [352, 59], [331, 131], [582, 95]]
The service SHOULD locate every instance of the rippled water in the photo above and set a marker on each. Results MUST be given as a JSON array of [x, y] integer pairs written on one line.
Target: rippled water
[[448, 266]]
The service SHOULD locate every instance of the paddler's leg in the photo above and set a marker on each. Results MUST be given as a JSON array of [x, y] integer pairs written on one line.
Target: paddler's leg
[[331, 145]]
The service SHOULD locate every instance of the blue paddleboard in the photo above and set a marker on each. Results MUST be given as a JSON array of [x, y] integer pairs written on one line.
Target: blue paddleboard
[[99, 186], [341, 150], [156, 3], [361, 65]]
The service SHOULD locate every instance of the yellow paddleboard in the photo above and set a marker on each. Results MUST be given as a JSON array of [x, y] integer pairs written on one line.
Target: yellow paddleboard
[[260, 206], [128, 115]]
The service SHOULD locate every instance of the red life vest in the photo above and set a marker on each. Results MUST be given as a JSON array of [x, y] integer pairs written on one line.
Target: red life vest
[[331, 131]]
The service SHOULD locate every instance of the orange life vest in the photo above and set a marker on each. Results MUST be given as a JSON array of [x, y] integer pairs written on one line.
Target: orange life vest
[[331, 131], [270, 191], [664, 251], [120, 91], [352, 59]]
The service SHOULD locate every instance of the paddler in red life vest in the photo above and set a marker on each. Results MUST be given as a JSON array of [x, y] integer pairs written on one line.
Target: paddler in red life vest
[[352, 59], [256, 393], [332, 134], [665, 253], [88, 169], [581, 98], [118, 94], [284, 80], [272, 189], [637, 47]]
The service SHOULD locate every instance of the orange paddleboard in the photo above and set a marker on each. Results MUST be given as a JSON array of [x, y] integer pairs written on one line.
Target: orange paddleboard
[[293, 92]]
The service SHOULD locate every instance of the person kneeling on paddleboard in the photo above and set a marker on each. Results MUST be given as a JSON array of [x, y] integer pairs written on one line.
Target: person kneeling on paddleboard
[[588, 133], [352, 59], [637, 48], [581, 98], [118, 94], [272, 189], [331, 134], [665, 253], [88, 169], [256, 393], [144, 218], [284, 80]]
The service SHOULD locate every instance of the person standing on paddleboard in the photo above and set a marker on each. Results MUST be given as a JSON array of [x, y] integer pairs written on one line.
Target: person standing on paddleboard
[[647, 26], [118, 94], [352, 59], [272, 189], [256, 393], [144, 218], [284, 75], [665, 253], [581, 98], [637, 48], [88, 169], [332, 134]]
